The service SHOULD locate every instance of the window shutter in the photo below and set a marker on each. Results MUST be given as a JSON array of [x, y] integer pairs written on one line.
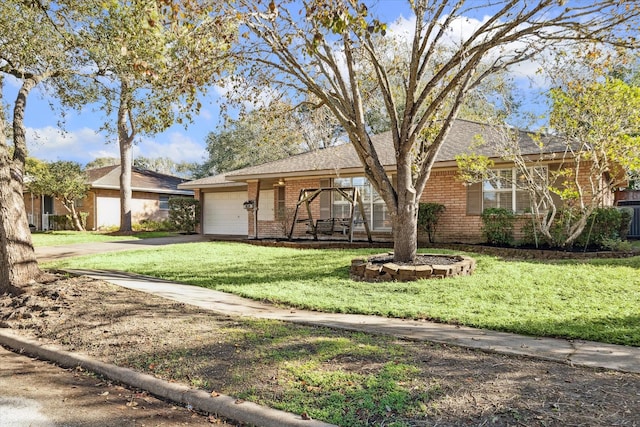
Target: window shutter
[[325, 200], [474, 199], [557, 201]]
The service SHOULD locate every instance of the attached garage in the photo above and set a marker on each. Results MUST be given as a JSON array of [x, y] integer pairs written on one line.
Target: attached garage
[[224, 214], [108, 212]]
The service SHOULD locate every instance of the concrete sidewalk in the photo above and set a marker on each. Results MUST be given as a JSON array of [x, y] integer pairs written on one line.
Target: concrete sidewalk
[[575, 352]]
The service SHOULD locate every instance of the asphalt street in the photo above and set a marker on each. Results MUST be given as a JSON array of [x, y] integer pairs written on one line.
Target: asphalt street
[[34, 393]]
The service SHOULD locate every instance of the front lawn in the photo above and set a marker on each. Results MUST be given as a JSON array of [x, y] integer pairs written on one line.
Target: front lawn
[[595, 300], [56, 238]]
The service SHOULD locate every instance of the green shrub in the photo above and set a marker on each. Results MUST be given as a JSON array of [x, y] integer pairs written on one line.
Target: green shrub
[[153, 225], [564, 220], [530, 234], [64, 222], [428, 216], [626, 217], [83, 218], [60, 222], [497, 226], [184, 213], [616, 245], [603, 223]]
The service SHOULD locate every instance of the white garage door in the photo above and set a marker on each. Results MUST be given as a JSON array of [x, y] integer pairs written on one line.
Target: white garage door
[[224, 213], [108, 209]]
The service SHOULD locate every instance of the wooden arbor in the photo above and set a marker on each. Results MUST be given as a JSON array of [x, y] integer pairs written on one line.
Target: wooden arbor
[[330, 226]]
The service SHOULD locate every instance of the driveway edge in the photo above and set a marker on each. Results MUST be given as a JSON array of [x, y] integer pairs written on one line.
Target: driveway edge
[[222, 405]]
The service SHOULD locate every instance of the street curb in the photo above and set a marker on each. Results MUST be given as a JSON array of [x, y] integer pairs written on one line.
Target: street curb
[[222, 405]]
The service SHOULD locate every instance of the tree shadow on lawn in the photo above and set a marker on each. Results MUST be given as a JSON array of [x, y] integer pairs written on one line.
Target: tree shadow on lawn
[[621, 330], [442, 385], [304, 267], [631, 262]]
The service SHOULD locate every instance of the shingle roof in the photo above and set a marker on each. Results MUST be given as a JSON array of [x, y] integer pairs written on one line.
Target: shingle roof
[[343, 158], [108, 177]]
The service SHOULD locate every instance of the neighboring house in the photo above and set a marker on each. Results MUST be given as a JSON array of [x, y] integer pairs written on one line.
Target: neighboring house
[[151, 194], [275, 188]]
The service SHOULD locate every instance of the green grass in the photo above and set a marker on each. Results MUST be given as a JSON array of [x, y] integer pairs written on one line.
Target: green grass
[[310, 370], [56, 238], [594, 300]]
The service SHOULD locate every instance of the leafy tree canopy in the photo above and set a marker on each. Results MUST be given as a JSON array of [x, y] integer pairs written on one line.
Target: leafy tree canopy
[[344, 56], [63, 180]]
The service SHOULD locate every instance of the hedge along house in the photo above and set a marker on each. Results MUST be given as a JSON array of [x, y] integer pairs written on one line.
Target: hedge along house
[[151, 194], [272, 190]]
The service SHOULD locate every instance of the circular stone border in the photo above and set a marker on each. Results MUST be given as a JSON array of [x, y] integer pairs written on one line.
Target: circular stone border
[[363, 269]]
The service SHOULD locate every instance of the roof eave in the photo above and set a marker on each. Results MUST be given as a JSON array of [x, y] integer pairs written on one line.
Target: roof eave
[[144, 190], [302, 174], [215, 185]]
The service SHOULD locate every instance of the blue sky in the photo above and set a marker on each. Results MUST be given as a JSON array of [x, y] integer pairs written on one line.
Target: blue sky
[[81, 142]]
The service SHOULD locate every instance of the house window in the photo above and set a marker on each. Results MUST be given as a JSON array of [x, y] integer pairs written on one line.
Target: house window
[[507, 189], [163, 203], [374, 207]]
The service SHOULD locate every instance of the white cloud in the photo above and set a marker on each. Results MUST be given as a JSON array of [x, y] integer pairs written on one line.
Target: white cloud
[[205, 114], [51, 143], [84, 145], [179, 148], [113, 152]]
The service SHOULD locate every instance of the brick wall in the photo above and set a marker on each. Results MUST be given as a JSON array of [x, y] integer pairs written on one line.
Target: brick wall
[[455, 225], [443, 187]]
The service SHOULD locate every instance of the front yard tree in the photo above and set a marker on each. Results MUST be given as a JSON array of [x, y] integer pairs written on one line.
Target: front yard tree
[[156, 58], [166, 165], [34, 49], [339, 52], [595, 120], [599, 123], [100, 162], [256, 137], [65, 181], [18, 263]]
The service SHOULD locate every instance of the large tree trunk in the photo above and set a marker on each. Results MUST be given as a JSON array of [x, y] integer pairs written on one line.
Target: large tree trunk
[[18, 264], [125, 187], [126, 133], [405, 218], [405, 239], [75, 217]]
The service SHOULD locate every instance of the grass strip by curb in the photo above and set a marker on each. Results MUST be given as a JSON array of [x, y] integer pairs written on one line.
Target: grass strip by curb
[[226, 406]]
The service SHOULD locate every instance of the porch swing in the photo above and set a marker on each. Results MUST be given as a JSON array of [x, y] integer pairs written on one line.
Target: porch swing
[[330, 226]]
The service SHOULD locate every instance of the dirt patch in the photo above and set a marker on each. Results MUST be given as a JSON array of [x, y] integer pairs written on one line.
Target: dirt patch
[[228, 355], [419, 260]]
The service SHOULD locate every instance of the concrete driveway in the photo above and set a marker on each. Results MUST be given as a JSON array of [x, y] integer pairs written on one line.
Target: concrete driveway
[[50, 253]]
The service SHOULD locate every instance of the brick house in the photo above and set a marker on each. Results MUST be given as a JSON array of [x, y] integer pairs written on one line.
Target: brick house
[[274, 189], [151, 193]]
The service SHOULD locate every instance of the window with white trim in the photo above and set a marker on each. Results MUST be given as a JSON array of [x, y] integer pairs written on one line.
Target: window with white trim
[[507, 189], [163, 203], [374, 207]]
